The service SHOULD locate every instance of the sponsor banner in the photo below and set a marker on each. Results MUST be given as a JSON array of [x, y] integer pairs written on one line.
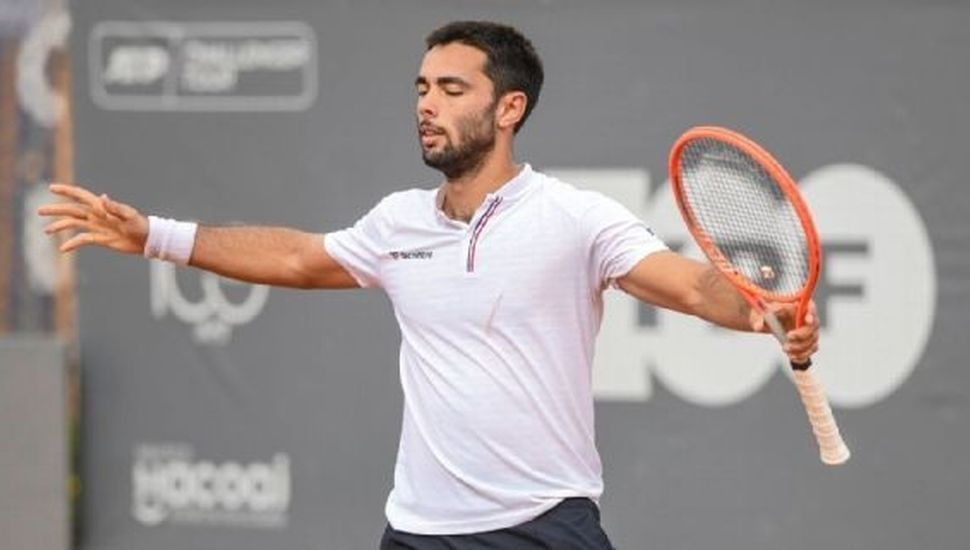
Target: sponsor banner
[[189, 113], [170, 485], [203, 66]]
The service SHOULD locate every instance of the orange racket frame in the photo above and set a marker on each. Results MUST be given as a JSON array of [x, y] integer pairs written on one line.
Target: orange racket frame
[[831, 445]]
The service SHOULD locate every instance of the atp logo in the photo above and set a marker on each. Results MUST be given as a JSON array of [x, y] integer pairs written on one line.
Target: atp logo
[[213, 316], [876, 298]]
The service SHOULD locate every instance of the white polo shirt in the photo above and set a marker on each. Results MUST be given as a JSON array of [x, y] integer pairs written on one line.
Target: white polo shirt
[[498, 322]]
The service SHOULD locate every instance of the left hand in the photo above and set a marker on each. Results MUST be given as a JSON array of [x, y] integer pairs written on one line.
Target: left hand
[[101, 220], [802, 341]]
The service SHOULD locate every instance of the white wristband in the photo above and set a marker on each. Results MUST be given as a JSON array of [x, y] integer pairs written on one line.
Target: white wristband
[[170, 240]]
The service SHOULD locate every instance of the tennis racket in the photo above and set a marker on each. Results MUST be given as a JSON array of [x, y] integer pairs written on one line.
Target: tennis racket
[[746, 214]]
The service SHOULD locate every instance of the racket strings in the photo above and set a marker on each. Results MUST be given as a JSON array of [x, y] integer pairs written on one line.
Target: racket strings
[[745, 215]]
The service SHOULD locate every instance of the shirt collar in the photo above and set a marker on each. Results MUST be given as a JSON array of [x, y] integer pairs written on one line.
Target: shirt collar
[[510, 190], [515, 187]]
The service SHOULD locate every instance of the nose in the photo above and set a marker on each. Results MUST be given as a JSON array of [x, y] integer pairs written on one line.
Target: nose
[[427, 107]]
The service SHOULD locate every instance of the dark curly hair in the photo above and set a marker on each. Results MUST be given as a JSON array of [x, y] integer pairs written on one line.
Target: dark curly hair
[[512, 62]]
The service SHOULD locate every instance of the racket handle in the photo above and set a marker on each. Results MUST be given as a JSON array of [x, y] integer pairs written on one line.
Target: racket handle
[[831, 447]]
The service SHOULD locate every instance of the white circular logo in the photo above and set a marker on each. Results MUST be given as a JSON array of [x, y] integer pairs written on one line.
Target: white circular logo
[[876, 298], [214, 315]]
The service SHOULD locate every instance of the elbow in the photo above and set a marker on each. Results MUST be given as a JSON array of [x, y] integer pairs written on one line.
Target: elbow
[[295, 273]]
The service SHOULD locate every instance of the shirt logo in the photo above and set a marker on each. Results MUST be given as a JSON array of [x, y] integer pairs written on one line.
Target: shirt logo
[[411, 254]]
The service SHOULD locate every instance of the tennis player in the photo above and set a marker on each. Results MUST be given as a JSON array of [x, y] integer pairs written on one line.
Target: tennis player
[[496, 277]]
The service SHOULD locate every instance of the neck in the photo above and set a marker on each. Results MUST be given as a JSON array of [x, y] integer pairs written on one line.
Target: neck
[[465, 193]]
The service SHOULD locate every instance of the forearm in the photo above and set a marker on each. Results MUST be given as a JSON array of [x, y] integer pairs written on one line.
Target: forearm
[[263, 255], [717, 301], [671, 281]]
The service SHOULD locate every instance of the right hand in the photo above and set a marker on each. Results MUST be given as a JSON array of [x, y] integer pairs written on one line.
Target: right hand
[[101, 220]]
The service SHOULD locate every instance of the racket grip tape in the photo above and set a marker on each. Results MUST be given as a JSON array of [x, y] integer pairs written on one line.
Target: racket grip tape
[[832, 448]]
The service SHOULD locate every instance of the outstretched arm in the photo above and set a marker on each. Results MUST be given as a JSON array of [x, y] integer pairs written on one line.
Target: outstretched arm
[[264, 255], [671, 281]]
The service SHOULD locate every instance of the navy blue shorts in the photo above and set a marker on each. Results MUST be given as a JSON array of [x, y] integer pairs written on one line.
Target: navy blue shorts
[[573, 524]]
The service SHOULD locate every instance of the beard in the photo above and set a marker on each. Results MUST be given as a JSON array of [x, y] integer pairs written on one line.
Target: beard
[[476, 139]]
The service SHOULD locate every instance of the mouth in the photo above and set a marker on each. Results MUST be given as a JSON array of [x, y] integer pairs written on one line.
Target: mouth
[[429, 135], [428, 140]]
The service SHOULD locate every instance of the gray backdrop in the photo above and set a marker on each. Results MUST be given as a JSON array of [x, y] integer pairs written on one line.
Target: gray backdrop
[[34, 448], [224, 416]]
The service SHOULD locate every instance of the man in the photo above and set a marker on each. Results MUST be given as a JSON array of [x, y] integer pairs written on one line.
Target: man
[[496, 279]]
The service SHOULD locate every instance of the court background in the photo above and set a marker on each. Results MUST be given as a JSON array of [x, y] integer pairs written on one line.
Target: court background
[[301, 387]]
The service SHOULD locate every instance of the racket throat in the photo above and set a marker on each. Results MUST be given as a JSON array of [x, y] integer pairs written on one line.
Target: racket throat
[[776, 327]]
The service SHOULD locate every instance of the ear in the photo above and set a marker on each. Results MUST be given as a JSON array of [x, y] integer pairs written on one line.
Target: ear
[[510, 110]]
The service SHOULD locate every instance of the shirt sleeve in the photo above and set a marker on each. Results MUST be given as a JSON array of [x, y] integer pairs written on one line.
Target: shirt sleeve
[[619, 239], [359, 248]]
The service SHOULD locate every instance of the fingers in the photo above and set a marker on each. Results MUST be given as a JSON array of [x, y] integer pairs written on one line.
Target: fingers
[[85, 206], [100, 220], [85, 203], [99, 208], [802, 352], [64, 209], [89, 236], [811, 315], [76, 193], [802, 342], [67, 223], [82, 239], [809, 328], [73, 215], [119, 209], [799, 343]]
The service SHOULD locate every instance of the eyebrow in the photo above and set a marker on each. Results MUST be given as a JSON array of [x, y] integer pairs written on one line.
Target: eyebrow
[[443, 81]]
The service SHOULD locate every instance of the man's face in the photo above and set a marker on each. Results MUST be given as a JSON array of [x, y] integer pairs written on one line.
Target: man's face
[[455, 109]]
